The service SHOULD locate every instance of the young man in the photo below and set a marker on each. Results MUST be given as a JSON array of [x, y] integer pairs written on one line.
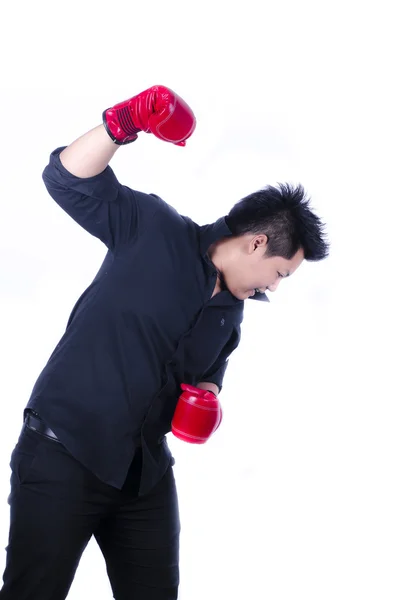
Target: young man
[[164, 310]]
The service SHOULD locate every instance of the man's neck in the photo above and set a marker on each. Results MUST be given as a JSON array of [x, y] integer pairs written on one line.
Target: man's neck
[[218, 287]]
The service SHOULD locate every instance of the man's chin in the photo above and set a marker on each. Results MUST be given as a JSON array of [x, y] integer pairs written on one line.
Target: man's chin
[[242, 295], [239, 294]]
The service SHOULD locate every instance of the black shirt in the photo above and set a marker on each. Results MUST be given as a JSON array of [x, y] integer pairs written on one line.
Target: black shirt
[[146, 324]]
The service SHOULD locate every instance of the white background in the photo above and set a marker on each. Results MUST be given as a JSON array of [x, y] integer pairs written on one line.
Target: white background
[[295, 496]]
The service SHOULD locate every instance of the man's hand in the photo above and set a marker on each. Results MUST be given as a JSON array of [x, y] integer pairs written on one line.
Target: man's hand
[[157, 110], [207, 385], [197, 416]]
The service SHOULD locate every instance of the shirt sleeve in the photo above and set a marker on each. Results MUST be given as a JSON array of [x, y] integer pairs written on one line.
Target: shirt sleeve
[[217, 372], [112, 212]]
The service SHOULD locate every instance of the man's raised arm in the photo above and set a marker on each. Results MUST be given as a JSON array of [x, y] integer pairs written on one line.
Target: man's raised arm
[[157, 110]]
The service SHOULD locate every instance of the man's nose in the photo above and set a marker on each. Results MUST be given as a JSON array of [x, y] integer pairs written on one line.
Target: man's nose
[[274, 286]]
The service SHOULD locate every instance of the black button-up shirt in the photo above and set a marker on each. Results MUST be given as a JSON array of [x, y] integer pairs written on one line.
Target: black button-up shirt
[[146, 324]]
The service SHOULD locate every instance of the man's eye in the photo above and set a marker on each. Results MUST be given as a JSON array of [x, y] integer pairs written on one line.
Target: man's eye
[[280, 275]]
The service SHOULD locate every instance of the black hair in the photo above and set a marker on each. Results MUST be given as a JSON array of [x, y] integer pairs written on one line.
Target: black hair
[[284, 215]]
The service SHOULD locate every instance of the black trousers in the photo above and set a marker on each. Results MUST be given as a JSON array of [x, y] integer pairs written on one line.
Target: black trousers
[[56, 506]]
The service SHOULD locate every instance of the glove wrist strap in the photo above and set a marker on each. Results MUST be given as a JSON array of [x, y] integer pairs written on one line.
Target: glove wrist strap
[[120, 126]]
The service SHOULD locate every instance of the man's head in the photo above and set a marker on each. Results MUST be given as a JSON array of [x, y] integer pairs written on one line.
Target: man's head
[[273, 231]]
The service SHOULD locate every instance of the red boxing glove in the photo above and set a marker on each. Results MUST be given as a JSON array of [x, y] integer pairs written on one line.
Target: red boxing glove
[[197, 416], [157, 110]]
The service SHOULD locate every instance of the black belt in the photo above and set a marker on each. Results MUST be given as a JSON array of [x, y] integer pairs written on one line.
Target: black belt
[[34, 422]]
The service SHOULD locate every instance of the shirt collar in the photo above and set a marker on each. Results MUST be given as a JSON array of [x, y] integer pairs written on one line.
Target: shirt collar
[[212, 233]]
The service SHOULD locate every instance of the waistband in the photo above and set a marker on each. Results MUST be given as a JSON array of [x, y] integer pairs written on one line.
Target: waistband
[[34, 422]]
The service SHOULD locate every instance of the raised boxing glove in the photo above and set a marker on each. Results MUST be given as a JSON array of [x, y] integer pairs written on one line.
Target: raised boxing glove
[[157, 110], [197, 416]]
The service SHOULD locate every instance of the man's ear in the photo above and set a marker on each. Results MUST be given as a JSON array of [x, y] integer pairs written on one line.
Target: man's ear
[[260, 241]]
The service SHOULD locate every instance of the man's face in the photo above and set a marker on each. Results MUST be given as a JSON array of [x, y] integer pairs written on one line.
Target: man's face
[[250, 270]]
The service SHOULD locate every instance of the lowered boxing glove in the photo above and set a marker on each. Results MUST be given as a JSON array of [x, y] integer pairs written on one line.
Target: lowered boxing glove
[[197, 416], [157, 110]]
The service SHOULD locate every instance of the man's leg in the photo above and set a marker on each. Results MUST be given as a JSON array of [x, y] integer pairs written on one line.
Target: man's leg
[[54, 509], [140, 541]]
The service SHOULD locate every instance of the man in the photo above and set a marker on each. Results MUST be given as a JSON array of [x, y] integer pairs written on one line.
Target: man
[[163, 311]]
